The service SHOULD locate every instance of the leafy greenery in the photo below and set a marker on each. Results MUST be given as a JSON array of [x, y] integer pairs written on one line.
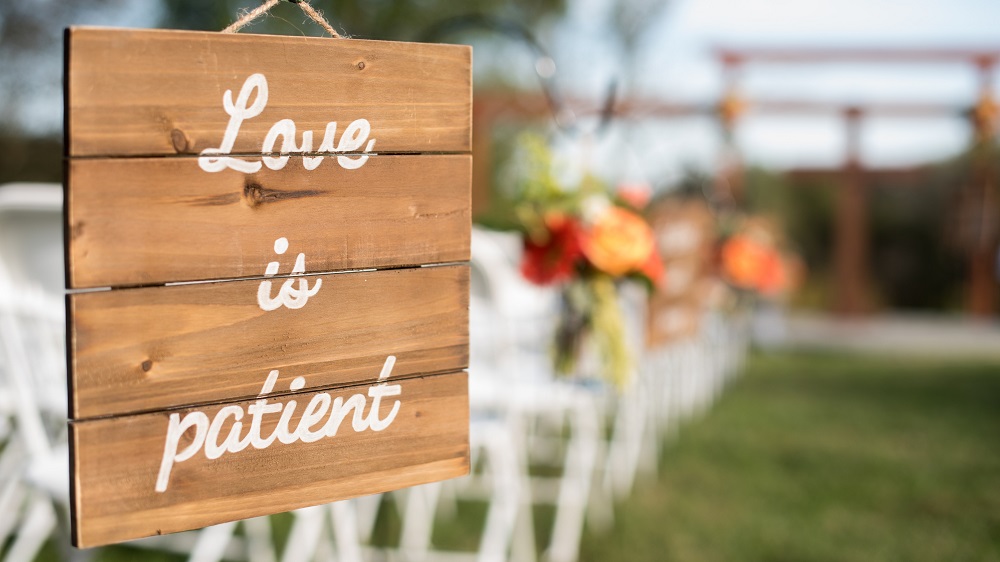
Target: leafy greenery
[[405, 20]]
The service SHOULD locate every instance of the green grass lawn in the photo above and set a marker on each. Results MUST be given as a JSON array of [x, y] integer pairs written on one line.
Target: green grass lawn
[[820, 457], [808, 457]]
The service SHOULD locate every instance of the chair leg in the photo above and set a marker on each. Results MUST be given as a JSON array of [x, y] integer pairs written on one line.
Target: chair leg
[[260, 542], [502, 515], [38, 524], [345, 531], [212, 542], [367, 508], [12, 495], [305, 536], [418, 521], [574, 491]]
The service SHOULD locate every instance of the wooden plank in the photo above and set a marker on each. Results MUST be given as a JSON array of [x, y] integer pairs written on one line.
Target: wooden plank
[[683, 276], [683, 229], [118, 461], [670, 320], [156, 220], [160, 347], [158, 92], [685, 236]]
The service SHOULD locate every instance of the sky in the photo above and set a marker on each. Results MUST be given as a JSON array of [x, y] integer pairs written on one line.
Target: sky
[[672, 61]]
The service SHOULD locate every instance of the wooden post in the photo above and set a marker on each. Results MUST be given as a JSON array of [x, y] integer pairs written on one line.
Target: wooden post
[[982, 201], [729, 186], [851, 251], [482, 151]]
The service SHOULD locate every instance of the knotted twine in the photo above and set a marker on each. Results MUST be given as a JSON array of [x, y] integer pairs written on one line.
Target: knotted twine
[[266, 7]]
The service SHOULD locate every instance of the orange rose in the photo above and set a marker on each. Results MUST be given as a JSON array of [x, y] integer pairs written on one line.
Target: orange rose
[[653, 268], [772, 279], [619, 242], [743, 261]]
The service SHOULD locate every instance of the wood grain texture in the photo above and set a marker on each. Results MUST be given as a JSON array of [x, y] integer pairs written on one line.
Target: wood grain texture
[[161, 347], [685, 238], [157, 220], [672, 319], [116, 462], [683, 228], [156, 92], [683, 276]]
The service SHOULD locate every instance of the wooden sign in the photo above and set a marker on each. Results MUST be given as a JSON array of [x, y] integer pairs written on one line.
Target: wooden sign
[[685, 236], [281, 226]]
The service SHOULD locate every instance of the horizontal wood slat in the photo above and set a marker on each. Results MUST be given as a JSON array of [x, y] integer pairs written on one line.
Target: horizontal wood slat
[[685, 238], [117, 461], [683, 276], [158, 92], [161, 347], [683, 229], [157, 220], [671, 319]]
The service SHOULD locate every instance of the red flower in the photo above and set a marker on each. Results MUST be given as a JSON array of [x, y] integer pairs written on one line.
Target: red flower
[[554, 259]]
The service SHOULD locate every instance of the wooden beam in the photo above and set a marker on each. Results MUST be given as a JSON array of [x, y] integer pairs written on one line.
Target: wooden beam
[[739, 55]]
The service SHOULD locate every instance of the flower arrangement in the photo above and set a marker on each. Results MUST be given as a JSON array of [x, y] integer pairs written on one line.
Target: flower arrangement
[[751, 260], [584, 239]]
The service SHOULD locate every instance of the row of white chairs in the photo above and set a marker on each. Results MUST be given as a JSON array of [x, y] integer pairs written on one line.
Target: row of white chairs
[[591, 441]]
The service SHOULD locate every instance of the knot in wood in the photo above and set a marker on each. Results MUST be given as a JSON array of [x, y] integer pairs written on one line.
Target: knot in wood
[[253, 193], [179, 140]]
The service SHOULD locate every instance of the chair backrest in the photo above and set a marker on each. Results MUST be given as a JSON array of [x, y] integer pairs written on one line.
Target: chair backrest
[[32, 328], [31, 235], [496, 276]]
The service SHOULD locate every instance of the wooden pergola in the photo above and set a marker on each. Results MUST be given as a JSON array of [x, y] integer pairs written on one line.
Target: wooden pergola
[[851, 221], [980, 200]]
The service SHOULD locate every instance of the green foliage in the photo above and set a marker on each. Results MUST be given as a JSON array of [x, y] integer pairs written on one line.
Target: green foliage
[[537, 191], [30, 160], [403, 20], [916, 258]]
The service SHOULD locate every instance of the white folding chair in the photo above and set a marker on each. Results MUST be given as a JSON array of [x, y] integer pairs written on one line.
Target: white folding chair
[[33, 389], [32, 368], [525, 392]]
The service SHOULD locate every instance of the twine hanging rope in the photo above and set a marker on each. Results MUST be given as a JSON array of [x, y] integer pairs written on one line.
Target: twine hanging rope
[[266, 7]]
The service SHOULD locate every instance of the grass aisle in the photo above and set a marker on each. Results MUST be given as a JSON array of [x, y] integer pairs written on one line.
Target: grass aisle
[[815, 457]]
